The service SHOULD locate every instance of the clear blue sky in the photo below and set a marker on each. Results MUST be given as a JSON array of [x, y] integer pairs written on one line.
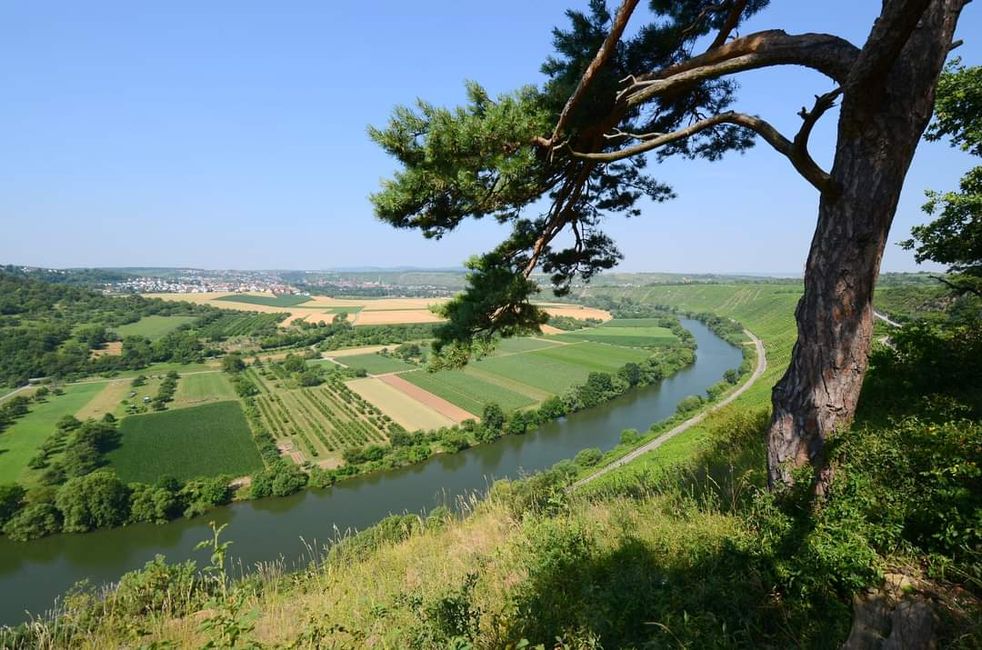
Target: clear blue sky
[[228, 134]]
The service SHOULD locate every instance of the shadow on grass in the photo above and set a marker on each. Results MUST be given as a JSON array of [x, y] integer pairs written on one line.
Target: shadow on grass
[[639, 595]]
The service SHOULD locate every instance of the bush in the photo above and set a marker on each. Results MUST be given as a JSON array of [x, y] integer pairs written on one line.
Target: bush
[[454, 441], [97, 500], [159, 587], [36, 520], [280, 479], [588, 457], [11, 500]]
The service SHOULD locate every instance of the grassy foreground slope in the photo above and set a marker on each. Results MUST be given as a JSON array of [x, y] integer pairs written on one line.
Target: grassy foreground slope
[[698, 557]]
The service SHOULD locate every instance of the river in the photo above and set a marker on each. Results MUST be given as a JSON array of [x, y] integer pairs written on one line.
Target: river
[[34, 574]]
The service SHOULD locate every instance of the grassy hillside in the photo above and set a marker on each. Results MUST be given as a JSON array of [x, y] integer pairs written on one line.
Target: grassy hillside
[[690, 552]]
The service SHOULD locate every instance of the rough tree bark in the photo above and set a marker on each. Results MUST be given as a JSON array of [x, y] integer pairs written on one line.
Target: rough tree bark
[[887, 103]]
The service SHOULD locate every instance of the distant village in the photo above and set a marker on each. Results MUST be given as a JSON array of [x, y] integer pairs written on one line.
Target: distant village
[[205, 282]]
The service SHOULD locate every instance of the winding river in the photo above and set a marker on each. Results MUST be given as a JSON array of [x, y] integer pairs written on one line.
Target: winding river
[[34, 574]]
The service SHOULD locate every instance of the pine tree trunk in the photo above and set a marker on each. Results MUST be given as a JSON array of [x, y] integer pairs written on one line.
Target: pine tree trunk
[[880, 124]]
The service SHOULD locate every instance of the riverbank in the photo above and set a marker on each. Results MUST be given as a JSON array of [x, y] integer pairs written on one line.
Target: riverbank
[[270, 529]]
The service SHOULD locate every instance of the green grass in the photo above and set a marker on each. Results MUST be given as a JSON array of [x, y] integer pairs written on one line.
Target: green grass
[[185, 443], [637, 337], [154, 327], [376, 364], [202, 387], [269, 301], [19, 442], [466, 391]]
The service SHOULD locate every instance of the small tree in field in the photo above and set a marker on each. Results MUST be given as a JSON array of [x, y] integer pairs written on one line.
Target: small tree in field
[[578, 145]]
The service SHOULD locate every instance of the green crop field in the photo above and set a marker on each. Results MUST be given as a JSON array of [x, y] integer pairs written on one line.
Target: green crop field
[[240, 324], [469, 392], [635, 337], [19, 442], [524, 344], [268, 301], [202, 387], [185, 443], [154, 327], [376, 364], [556, 369]]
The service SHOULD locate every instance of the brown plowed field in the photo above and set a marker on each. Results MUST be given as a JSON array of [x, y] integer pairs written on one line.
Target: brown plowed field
[[438, 404]]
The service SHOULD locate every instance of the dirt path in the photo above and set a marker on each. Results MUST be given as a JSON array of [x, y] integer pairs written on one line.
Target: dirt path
[[15, 391], [696, 419], [886, 319]]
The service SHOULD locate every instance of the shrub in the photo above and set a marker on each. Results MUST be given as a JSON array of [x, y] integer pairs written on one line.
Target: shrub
[[97, 500], [36, 520], [588, 457]]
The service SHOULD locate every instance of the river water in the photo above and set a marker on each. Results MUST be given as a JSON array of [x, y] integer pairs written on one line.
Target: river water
[[34, 574]]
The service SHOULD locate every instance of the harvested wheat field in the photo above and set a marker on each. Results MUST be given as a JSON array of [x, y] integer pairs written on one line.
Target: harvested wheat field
[[438, 404], [408, 412], [575, 311], [396, 316]]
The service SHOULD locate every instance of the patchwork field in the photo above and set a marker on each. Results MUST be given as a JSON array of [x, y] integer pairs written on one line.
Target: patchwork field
[[409, 413], [364, 311], [395, 316], [186, 443], [321, 421], [20, 441], [467, 391], [267, 300], [154, 327], [428, 399]]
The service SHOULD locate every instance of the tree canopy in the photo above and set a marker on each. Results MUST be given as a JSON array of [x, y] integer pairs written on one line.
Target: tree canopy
[[954, 238], [489, 158]]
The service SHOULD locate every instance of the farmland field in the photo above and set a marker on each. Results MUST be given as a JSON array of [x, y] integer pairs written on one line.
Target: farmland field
[[524, 344], [269, 301], [395, 316], [467, 391], [203, 387], [376, 364], [106, 400], [186, 443], [240, 324], [408, 412], [639, 337], [19, 442], [154, 327], [319, 421], [556, 369]]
